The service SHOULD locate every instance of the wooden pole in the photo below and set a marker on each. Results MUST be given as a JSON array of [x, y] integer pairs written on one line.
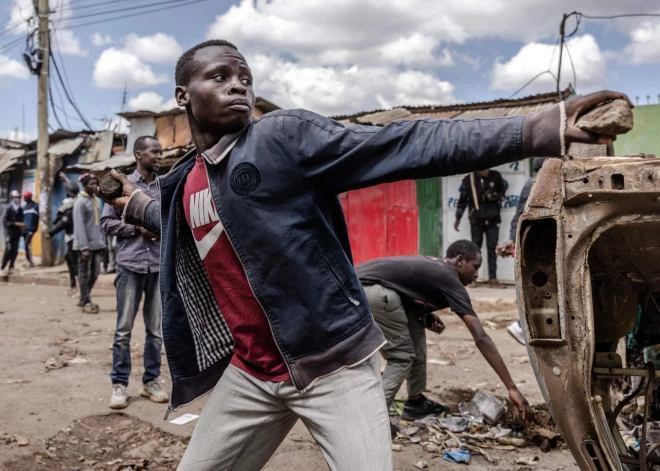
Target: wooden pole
[[44, 180]]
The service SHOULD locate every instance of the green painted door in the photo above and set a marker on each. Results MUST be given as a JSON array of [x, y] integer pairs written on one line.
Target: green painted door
[[429, 204]]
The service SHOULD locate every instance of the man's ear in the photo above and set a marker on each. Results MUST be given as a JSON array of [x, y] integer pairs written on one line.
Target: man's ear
[[181, 95], [460, 260]]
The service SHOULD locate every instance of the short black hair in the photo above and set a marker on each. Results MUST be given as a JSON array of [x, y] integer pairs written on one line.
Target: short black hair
[[468, 249], [141, 143], [186, 63]]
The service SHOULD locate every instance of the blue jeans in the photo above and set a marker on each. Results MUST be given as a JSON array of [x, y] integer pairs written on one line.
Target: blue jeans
[[130, 287]]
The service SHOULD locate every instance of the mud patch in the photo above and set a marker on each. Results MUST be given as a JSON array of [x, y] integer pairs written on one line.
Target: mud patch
[[112, 442]]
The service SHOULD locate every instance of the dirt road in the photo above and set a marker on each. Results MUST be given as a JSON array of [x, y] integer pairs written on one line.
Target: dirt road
[[54, 382]]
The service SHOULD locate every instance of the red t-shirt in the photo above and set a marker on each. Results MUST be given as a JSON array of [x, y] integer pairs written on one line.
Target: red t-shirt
[[255, 351]]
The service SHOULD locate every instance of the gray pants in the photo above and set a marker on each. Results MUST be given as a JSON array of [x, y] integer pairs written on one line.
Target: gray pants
[[245, 420], [405, 350]]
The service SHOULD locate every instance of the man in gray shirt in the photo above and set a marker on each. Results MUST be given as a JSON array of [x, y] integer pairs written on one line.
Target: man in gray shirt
[[88, 240], [138, 265]]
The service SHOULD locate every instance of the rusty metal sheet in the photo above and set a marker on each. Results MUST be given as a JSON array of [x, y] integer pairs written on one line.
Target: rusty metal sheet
[[547, 185]]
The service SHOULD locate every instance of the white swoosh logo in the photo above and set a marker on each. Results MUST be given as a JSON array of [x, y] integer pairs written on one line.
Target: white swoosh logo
[[209, 240]]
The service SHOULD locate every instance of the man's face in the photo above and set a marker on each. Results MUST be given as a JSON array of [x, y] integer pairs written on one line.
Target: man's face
[[219, 93], [468, 270], [91, 186], [15, 199], [151, 157]]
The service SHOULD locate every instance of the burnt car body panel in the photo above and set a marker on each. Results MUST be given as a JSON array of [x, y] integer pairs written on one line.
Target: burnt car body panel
[[588, 247]]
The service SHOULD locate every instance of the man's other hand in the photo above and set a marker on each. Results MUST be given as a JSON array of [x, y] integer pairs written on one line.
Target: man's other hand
[[456, 224], [433, 322]]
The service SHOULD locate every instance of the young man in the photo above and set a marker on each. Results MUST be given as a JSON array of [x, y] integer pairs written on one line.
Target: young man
[[481, 193], [64, 222], [403, 292], [88, 240], [260, 299], [12, 221], [138, 264], [31, 221]]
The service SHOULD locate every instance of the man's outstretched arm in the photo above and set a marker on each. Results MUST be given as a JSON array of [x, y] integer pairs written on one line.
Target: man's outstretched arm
[[336, 158], [488, 349]]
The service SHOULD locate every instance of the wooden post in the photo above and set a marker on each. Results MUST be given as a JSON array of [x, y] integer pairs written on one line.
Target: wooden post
[[44, 181]]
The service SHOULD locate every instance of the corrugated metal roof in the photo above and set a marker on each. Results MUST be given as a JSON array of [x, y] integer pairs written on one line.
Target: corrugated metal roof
[[116, 161], [384, 117], [462, 108], [65, 146], [9, 157]]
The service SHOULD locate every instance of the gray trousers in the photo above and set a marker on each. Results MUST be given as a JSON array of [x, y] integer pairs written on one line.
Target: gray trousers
[[245, 420], [405, 350]]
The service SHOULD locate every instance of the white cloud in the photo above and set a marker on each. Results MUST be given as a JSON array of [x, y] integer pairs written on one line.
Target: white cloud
[[157, 48], [12, 68], [115, 67], [644, 47], [151, 101], [100, 40], [533, 58], [332, 90], [67, 43]]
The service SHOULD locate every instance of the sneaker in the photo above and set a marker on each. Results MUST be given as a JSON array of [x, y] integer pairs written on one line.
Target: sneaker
[[423, 408], [4, 273], [154, 392], [516, 332], [495, 283], [12, 270], [28, 265], [119, 398], [90, 308], [72, 292]]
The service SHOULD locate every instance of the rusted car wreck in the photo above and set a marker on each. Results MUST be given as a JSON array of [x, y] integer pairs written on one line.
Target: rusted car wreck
[[588, 256]]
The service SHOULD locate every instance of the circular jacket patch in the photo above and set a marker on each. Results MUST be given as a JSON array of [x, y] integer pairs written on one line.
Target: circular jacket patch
[[245, 179]]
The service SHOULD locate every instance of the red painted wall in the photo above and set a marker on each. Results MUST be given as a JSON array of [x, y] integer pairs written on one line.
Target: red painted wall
[[382, 220]]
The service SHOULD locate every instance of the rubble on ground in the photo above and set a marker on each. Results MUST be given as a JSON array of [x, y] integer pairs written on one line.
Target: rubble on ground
[[459, 436], [112, 442]]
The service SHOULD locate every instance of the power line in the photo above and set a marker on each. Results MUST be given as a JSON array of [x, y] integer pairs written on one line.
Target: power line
[[132, 15], [10, 45], [61, 108], [66, 93], [625, 15], [570, 58], [120, 10], [93, 5], [52, 106], [531, 80]]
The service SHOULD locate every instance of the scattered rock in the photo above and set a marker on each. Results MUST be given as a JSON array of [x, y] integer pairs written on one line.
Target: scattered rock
[[410, 431], [21, 440], [611, 118], [421, 464], [396, 447], [527, 461], [143, 452]]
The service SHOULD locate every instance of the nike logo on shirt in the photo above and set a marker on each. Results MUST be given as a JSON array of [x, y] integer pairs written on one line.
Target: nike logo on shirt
[[203, 213]]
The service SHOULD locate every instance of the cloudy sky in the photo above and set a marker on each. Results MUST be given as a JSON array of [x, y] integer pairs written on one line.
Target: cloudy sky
[[329, 56]]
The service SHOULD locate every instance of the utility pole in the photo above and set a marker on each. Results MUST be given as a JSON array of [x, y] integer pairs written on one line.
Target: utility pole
[[562, 33], [43, 173]]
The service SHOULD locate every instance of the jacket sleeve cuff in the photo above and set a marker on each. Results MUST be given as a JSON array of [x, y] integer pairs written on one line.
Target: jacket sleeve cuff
[[136, 208], [543, 133]]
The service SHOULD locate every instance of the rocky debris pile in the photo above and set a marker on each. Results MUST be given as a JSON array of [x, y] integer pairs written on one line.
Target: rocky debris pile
[[474, 432], [112, 442]]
